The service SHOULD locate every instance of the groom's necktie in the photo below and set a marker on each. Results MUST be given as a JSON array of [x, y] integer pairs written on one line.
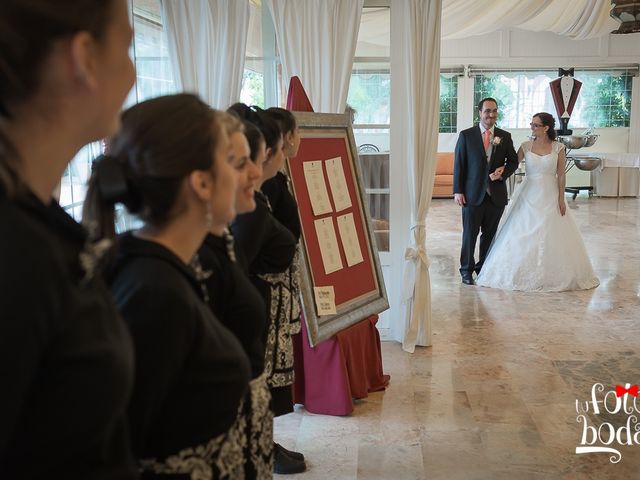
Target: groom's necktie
[[486, 140]]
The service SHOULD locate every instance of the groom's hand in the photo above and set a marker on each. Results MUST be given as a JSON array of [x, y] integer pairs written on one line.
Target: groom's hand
[[459, 199]]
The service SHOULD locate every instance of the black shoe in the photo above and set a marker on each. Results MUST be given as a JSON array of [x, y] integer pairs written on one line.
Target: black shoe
[[468, 280], [289, 453], [285, 465]]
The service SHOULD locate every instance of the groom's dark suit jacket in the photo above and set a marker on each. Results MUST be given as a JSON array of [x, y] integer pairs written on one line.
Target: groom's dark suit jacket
[[471, 169]]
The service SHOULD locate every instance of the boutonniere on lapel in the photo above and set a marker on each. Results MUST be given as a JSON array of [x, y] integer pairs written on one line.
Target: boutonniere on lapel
[[496, 141]]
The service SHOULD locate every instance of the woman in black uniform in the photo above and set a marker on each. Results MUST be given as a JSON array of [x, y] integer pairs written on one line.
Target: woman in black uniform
[[236, 302], [269, 248], [171, 166], [66, 360], [285, 209]]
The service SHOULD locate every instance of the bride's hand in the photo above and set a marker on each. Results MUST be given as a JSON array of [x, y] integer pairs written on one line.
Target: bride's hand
[[497, 174], [562, 206]]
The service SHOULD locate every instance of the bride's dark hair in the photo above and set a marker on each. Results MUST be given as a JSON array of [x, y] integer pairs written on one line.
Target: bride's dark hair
[[548, 121]]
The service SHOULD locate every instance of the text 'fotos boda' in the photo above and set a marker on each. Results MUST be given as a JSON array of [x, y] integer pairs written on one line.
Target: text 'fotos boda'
[[605, 437]]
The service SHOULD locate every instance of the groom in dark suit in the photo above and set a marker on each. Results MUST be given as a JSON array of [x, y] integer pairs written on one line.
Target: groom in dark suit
[[484, 158]]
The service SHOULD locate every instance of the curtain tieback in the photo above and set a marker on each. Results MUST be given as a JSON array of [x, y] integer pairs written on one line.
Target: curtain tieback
[[413, 256], [417, 253]]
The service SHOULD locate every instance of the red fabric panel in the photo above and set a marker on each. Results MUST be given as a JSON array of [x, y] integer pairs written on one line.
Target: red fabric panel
[[360, 345], [347, 366], [322, 382], [297, 100]]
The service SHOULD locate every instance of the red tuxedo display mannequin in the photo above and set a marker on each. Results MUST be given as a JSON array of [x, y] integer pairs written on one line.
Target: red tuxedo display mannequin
[[564, 91]]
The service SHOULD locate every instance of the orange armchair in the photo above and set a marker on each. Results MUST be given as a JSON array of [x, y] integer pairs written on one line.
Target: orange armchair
[[443, 180]]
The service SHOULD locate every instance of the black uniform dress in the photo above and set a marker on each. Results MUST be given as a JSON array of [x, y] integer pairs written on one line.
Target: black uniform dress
[[285, 209], [191, 372], [268, 248], [239, 306], [66, 358]]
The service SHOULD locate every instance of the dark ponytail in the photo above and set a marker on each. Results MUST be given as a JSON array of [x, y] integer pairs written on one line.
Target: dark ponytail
[[285, 119], [28, 30], [254, 136], [161, 142], [266, 124], [255, 140]]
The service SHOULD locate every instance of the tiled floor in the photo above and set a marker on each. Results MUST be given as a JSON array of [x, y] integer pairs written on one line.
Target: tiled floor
[[495, 396]]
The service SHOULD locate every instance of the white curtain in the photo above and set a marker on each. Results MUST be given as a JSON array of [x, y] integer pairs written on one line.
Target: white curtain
[[415, 67], [578, 19], [317, 41], [207, 41]]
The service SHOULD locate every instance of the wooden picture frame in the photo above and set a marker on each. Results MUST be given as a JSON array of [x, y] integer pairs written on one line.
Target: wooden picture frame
[[359, 288]]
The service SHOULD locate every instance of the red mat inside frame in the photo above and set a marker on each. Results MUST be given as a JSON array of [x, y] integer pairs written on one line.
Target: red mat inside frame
[[349, 282]]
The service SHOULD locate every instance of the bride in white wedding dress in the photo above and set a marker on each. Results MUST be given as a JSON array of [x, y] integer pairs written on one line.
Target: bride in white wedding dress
[[539, 247]]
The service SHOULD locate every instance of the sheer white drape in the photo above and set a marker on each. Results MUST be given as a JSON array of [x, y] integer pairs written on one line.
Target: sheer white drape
[[207, 41], [317, 41], [415, 66], [578, 19]]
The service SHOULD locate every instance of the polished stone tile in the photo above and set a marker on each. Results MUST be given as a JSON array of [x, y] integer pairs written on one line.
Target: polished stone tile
[[495, 396]]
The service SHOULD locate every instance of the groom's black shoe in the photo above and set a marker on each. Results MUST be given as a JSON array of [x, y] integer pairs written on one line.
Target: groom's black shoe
[[468, 279]]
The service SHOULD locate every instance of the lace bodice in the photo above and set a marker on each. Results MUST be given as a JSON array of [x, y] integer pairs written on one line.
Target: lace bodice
[[541, 164]]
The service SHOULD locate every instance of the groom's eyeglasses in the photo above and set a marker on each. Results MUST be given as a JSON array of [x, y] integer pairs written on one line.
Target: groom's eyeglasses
[[536, 125]]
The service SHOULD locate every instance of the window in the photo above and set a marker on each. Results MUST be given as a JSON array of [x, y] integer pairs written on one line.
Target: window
[[153, 78], [73, 185], [448, 104], [252, 87], [261, 84], [369, 94], [153, 69], [253, 78], [369, 104], [604, 100]]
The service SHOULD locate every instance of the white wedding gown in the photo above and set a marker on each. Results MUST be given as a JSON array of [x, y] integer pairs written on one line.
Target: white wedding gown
[[536, 248]]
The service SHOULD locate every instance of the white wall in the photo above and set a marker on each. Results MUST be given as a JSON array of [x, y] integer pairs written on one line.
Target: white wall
[[511, 48]]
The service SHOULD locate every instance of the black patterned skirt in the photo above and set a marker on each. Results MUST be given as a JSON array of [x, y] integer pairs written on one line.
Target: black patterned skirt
[[259, 449], [222, 457]]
